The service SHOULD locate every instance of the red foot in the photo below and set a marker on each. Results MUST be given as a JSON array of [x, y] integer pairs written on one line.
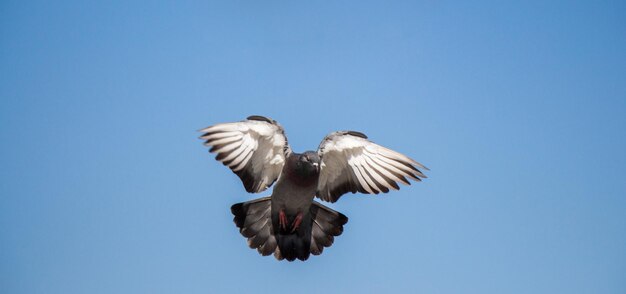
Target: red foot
[[282, 219], [296, 222]]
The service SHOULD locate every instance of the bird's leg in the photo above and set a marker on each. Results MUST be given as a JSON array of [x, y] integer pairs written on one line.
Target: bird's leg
[[282, 219], [296, 222]]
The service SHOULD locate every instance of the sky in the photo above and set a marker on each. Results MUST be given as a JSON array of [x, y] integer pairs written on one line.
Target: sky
[[517, 107]]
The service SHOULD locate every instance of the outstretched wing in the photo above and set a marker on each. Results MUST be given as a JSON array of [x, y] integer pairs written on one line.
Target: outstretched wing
[[352, 163], [254, 149]]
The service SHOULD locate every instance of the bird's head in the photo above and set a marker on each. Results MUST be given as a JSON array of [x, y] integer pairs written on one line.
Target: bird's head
[[308, 163]]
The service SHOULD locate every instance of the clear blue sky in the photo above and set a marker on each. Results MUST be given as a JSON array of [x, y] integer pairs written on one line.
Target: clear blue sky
[[518, 108]]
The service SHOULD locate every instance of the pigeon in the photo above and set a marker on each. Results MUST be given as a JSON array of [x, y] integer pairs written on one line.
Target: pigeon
[[289, 223]]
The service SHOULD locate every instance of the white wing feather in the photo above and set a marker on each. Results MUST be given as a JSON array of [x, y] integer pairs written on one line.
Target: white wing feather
[[352, 163], [255, 149]]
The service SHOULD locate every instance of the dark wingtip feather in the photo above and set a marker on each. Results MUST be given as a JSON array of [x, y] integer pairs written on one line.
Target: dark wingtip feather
[[216, 148], [205, 134]]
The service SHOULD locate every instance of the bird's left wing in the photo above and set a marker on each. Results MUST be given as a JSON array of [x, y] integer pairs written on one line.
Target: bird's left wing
[[255, 149], [352, 163]]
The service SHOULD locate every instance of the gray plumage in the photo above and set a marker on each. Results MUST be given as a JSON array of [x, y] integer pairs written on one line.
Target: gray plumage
[[289, 223]]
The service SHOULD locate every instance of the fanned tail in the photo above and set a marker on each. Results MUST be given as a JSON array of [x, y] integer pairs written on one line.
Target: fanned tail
[[253, 218], [327, 224], [317, 230]]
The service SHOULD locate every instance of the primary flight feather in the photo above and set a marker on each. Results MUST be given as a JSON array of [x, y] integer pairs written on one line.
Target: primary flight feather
[[289, 223]]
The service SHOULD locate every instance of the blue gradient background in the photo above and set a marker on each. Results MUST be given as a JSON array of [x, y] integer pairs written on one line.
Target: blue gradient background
[[519, 109]]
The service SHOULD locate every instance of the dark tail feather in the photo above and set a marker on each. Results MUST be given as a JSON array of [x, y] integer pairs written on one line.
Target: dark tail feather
[[327, 224], [317, 230], [253, 218], [293, 246]]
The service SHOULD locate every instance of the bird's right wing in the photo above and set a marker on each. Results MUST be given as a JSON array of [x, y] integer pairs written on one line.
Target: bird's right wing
[[352, 163], [255, 149]]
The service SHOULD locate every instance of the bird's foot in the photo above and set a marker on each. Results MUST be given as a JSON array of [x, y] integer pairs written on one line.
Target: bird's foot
[[296, 222], [282, 219]]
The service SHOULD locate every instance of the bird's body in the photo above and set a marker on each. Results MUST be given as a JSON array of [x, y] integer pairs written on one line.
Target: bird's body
[[289, 223], [291, 200], [295, 188]]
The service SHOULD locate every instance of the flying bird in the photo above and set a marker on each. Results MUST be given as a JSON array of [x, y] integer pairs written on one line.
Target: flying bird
[[289, 223]]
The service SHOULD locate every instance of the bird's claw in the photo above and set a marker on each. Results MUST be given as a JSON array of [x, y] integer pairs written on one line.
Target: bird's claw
[[282, 219], [296, 222]]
